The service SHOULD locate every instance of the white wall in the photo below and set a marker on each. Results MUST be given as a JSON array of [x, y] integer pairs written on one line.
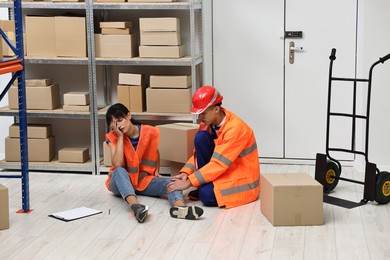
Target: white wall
[[5, 122]]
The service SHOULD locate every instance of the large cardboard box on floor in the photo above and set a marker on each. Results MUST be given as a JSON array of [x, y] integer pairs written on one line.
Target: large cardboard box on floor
[[73, 154], [45, 98], [71, 39], [169, 52], [168, 100], [4, 208], [40, 36], [115, 46], [39, 149], [159, 24], [174, 81], [33, 131], [177, 141], [160, 38], [291, 199]]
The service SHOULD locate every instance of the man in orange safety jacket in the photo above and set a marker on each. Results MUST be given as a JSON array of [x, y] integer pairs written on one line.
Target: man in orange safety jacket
[[225, 166]]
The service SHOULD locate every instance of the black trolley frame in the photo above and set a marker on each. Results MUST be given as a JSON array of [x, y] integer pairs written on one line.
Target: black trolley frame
[[329, 174]]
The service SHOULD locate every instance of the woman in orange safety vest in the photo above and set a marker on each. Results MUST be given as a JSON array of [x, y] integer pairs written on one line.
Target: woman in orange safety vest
[[225, 165], [135, 162]]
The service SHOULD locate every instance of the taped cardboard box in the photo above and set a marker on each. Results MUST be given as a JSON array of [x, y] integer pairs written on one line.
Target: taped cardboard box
[[133, 97], [119, 25], [160, 38], [73, 155], [131, 79], [159, 24], [168, 100], [33, 131], [117, 31], [4, 207], [45, 98], [173, 52], [151, 1], [76, 98], [115, 46], [291, 199], [70, 36], [177, 141], [40, 36], [38, 82], [39, 150], [165, 81]]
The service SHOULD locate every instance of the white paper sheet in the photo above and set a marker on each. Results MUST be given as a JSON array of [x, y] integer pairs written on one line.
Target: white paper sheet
[[76, 213]]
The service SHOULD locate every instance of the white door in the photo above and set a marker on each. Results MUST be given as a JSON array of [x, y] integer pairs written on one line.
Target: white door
[[325, 24], [248, 66], [284, 103]]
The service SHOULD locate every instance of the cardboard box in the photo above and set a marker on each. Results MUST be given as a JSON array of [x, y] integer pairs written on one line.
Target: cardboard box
[[168, 100], [76, 108], [160, 38], [121, 25], [45, 98], [116, 31], [177, 81], [38, 82], [76, 98], [4, 208], [151, 1], [33, 131], [133, 97], [106, 155], [173, 52], [111, 1], [159, 24], [70, 36], [131, 79], [7, 51], [7, 25], [177, 141], [115, 46], [73, 155], [291, 199], [40, 36], [39, 150]]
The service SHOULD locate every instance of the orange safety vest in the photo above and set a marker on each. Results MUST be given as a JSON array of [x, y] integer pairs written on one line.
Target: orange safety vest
[[141, 164], [234, 167]]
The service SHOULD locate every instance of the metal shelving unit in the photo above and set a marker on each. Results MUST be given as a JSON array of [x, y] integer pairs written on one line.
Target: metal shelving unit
[[97, 112]]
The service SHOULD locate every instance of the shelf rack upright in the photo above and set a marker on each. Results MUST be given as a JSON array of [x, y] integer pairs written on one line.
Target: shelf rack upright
[[16, 67]]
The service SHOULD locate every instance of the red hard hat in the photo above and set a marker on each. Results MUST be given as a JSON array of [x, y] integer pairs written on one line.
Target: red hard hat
[[203, 98]]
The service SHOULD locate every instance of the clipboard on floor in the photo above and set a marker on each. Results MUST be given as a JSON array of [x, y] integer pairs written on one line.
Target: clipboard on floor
[[73, 214]]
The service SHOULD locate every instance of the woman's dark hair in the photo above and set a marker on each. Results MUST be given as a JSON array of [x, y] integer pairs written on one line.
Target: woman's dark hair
[[118, 111]]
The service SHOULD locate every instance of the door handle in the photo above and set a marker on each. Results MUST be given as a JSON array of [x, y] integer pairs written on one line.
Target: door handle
[[292, 50]]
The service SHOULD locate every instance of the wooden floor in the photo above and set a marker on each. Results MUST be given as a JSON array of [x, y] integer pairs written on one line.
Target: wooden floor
[[238, 233]]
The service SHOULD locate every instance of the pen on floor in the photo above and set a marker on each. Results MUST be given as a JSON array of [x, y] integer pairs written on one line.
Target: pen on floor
[[109, 211]]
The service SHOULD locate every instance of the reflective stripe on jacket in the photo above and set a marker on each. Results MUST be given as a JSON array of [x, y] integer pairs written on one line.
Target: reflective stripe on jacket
[[142, 163], [234, 167]]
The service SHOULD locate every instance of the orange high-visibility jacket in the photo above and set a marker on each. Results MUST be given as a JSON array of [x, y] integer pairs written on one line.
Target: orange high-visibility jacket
[[234, 167], [142, 163]]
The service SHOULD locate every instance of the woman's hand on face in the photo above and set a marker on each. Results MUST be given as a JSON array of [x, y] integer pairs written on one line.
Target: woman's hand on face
[[115, 127]]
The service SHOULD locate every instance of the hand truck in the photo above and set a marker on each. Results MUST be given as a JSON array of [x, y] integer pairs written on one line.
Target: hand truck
[[328, 169]]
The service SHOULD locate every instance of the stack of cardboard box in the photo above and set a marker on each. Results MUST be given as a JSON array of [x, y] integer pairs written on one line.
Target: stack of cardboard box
[[171, 94], [40, 94], [131, 91], [40, 143], [76, 101], [115, 41], [56, 36], [160, 38]]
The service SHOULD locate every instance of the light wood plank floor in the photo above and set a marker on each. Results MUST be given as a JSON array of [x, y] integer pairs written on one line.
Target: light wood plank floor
[[238, 233]]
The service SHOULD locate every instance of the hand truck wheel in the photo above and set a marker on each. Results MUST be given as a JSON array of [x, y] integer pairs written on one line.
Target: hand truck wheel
[[332, 174], [382, 191]]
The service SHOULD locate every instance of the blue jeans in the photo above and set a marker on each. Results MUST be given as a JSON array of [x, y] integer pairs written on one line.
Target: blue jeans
[[204, 147], [121, 185]]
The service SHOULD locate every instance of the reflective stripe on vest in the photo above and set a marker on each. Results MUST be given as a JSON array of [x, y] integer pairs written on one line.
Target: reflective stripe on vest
[[128, 169], [199, 177], [248, 150], [222, 158], [241, 188], [190, 166], [149, 162], [142, 175]]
